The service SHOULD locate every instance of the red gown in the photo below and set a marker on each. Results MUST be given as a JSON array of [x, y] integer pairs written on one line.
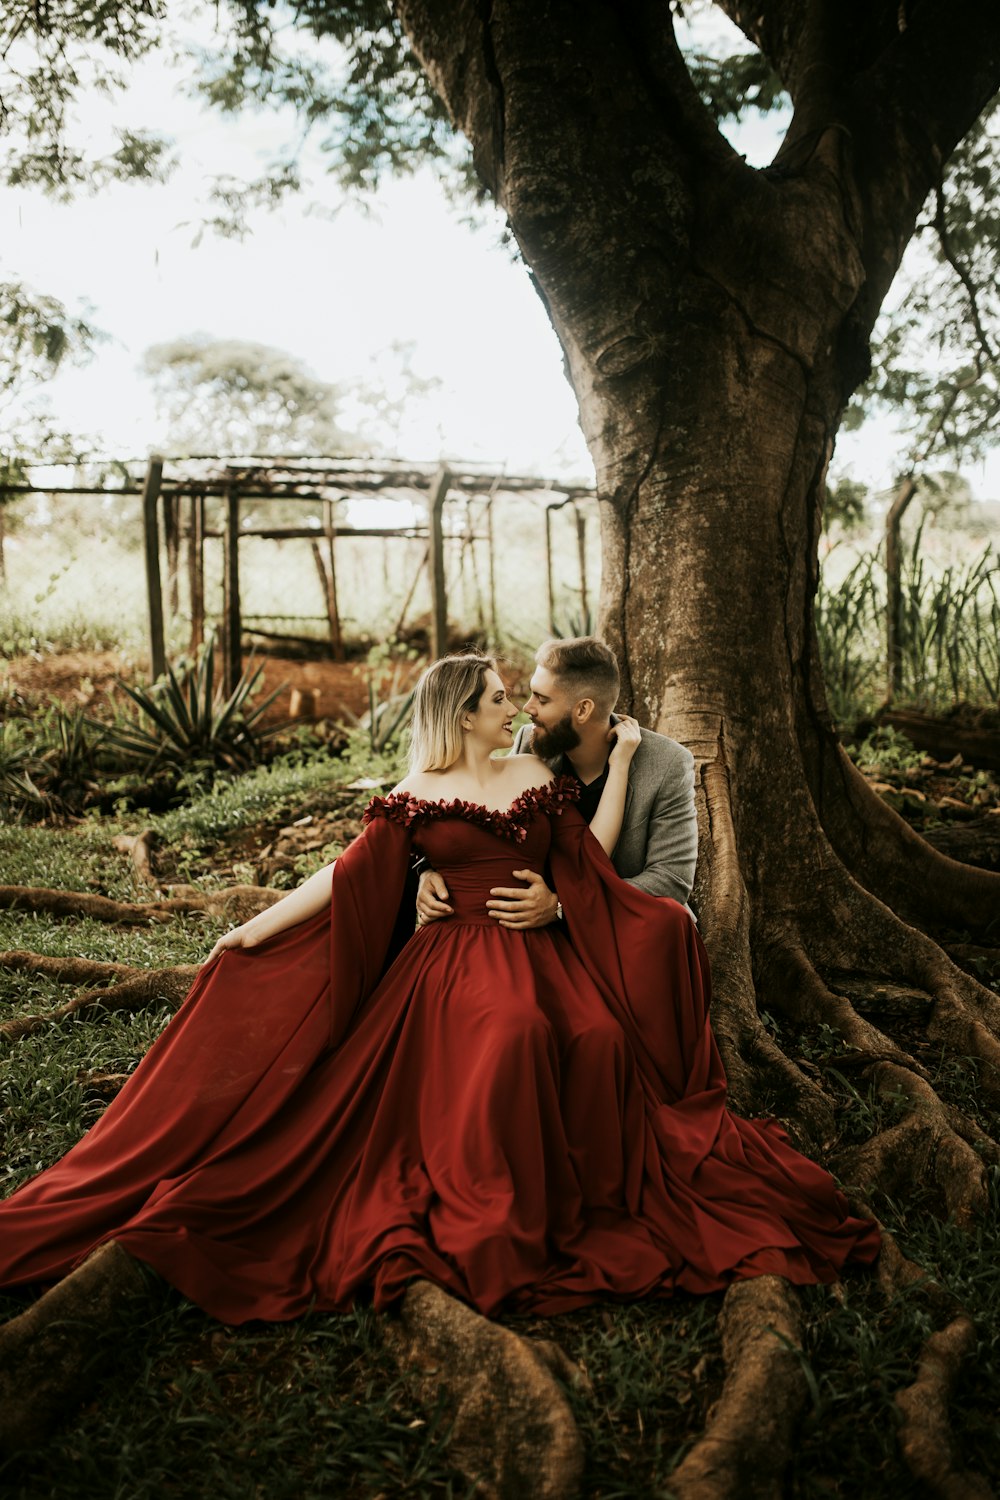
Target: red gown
[[532, 1119]]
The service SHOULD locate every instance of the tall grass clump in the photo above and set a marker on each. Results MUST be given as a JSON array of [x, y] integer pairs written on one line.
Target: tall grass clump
[[849, 623], [949, 633]]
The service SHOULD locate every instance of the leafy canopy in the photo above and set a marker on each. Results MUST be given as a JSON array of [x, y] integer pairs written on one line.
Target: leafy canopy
[[37, 336]]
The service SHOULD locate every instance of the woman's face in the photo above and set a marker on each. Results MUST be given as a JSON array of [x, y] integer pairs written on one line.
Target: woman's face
[[491, 720]]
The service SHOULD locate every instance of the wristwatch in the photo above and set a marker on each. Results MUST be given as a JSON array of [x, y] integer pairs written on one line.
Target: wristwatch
[[559, 910]]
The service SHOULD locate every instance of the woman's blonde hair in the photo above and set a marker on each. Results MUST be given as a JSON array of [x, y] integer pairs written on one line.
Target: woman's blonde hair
[[448, 689]]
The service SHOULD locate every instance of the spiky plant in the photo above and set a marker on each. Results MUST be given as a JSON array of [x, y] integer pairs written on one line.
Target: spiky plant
[[185, 718], [17, 762]]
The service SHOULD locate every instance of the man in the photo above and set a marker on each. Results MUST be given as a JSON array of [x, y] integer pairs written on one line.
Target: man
[[574, 689]]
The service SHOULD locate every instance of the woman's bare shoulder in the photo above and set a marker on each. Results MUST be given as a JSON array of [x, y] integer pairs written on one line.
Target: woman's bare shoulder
[[525, 771], [418, 784]]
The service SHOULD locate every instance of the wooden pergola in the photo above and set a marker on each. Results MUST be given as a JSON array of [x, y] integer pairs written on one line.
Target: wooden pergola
[[174, 493]]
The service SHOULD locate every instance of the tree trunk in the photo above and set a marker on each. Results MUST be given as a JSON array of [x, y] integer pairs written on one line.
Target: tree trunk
[[894, 629]]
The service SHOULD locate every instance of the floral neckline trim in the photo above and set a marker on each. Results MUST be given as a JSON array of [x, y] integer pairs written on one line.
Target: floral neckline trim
[[402, 807]]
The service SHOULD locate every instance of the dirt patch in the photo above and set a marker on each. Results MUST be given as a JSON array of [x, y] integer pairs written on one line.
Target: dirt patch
[[78, 679], [329, 689], [87, 679]]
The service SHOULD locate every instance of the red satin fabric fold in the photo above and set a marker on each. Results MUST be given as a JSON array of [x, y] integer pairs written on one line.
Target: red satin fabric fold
[[531, 1120]]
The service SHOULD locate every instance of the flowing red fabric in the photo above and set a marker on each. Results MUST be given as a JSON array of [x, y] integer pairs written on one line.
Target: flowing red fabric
[[530, 1119]]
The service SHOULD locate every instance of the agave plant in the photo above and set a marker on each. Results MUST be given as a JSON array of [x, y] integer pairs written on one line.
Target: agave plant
[[17, 761], [576, 621], [189, 720], [68, 743]]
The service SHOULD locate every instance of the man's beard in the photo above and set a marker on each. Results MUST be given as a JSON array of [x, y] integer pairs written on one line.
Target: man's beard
[[561, 738]]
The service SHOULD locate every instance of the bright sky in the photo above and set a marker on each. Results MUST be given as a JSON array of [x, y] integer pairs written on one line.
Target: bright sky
[[334, 288]]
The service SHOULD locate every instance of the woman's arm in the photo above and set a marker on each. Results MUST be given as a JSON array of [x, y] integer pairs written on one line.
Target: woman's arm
[[606, 824], [305, 901]]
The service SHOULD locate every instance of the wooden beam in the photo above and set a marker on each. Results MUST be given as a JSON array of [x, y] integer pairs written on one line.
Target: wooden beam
[[439, 591], [232, 624], [151, 547], [313, 534]]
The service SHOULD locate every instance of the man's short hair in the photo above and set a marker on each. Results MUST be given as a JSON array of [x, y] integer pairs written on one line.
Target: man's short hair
[[584, 667]]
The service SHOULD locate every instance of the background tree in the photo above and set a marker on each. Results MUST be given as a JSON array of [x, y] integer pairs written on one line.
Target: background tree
[[37, 337], [235, 397], [48, 62]]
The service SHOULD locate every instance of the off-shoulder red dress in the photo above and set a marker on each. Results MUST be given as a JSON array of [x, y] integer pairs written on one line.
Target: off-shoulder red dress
[[533, 1120]]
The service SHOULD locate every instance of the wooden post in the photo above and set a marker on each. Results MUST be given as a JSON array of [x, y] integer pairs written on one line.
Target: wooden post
[[151, 544], [548, 569], [439, 592], [172, 543], [421, 565], [232, 624], [196, 569], [491, 555], [894, 589], [332, 609], [469, 545], [581, 548]]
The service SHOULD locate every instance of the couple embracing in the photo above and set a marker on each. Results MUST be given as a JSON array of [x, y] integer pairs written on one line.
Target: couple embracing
[[519, 1105]]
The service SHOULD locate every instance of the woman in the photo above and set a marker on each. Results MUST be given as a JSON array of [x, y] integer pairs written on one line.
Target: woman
[[527, 1119]]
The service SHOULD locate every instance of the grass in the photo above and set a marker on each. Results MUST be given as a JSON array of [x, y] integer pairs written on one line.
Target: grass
[[949, 631], [315, 1409]]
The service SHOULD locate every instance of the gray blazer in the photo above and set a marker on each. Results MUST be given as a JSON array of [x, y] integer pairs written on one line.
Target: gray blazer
[[658, 845]]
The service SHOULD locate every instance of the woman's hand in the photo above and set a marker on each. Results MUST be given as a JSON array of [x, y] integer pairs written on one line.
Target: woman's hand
[[236, 937], [627, 740]]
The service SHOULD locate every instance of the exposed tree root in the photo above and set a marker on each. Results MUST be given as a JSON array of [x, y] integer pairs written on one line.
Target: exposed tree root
[[105, 1085], [793, 986], [887, 856], [971, 956], [52, 1355], [883, 997], [512, 1433], [755, 1065], [806, 939], [897, 1274], [931, 1144], [925, 1435], [66, 969], [965, 1034], [748, 1440], [135, 988], [236, 903]]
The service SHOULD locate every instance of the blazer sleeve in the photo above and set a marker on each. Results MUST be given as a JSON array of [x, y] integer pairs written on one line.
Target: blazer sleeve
[[672, 842], [522, 741]]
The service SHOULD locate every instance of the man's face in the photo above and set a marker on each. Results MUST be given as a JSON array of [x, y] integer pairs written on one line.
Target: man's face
[[551, 713]]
